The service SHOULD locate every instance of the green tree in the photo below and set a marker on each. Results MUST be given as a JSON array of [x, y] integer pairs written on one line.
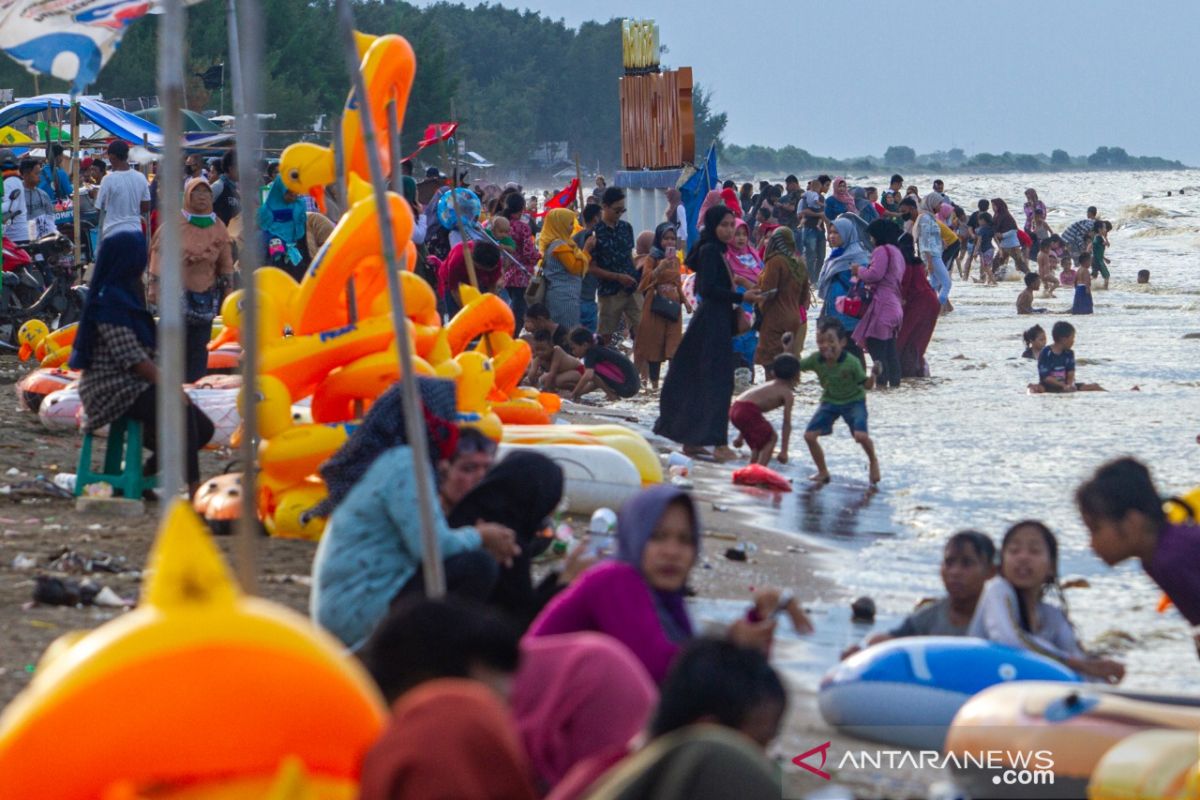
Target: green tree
[[1060, 158], [899, 156], [709, 125]]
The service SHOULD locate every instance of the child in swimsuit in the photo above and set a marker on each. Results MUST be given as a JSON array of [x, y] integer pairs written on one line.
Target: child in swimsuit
[[746, 413]]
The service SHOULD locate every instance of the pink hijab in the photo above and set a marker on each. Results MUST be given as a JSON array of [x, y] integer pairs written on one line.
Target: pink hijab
[[744, 261], [944, 212], [711, 199], [578, 697], [841, 191]]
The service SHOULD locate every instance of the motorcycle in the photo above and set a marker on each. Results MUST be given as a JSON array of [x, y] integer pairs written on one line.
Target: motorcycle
[[39, 282]]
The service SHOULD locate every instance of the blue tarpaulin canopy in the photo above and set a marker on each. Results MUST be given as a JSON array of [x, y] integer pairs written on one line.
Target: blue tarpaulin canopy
[[119, 123]]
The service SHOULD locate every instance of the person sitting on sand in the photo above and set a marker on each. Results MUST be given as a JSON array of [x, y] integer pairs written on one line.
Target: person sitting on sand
[[1124, 514], [638, 598], [551, 369], [746, 413], [1011, 610], [1035, 340], [1025, 298], [843, 384], [968, 562], [601, 367], [1056, 363]]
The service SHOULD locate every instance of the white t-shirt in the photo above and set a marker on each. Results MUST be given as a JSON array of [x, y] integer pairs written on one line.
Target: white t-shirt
[[122, 193], [16, 228]]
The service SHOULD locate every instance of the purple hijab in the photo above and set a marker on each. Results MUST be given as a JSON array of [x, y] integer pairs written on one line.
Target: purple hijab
[[635, 525]]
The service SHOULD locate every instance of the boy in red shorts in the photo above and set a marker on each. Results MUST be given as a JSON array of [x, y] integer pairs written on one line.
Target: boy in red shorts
[[746, 413]]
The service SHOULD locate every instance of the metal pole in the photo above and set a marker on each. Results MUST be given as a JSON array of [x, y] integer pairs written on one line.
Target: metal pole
[[414, 420], [244, 49], [579, 186], [339, 165], [171, 429]]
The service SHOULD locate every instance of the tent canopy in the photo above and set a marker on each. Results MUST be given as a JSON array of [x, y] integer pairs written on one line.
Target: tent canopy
[[120, 123], [192, 122]]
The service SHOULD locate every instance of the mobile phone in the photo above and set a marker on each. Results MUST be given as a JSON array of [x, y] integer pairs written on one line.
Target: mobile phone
[[768, 294]]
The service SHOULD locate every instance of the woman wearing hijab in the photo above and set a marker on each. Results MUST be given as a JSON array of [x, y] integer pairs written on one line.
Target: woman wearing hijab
[[920, 304], [840, 200], [849, 250], [283, 216], [928, 234], [863, 206], [371, 551], [448, 738], [712, 199], [694, 405], [677, 218], [746, 265], [638, 598], [207, 265], [115, 350], [563, 264], [578, 700], [880, 323], [1007, 239], [1033, 206], [785, 310], [730, 199], [658, 336]]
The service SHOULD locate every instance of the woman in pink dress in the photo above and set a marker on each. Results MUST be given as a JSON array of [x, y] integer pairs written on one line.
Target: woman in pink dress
[[876, 331]]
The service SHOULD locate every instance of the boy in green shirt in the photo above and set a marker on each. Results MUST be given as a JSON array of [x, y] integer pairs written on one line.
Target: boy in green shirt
[[843, 382], [1099, 244]]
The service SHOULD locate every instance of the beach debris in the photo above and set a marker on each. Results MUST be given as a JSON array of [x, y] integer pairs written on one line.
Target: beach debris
[[719, 507], [24, 561], [795, 548], [764, 477], [12, 472], [98, 489], [65, 480], [735, 554], [682, 482], [862, 610], [71, 562], [1077, 583], [52, 591]]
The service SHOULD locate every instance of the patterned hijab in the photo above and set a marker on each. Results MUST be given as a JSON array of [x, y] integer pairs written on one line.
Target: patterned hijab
[[783, 244]]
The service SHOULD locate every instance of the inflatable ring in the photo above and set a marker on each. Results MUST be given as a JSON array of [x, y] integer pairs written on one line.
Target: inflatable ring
[[362, 380]]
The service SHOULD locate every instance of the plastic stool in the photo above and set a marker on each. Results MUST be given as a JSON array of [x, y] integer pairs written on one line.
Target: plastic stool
[[122, 461]]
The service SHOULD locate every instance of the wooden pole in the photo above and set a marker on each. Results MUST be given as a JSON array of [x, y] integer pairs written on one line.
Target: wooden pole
[[414, 419], [244, 53], [171, 428], [74, 177], [579, 185], [393, 134]]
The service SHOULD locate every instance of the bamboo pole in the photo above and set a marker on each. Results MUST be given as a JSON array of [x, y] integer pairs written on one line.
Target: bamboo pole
[[393, 134], [171, 428], [244, 51], [74, 177], [414, 420]]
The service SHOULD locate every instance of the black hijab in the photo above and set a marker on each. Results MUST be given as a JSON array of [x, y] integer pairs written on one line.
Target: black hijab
[[116, 296], [712, 220]]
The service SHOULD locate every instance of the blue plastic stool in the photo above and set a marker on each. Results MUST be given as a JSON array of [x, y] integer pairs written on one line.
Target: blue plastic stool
[[122, 461]]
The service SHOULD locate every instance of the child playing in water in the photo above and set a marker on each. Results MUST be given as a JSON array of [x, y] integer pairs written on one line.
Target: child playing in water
[[747, 410], [1083, 286], [1025, 298], [1035, 340], [967, 564], [1124, 513], [1099, 244], [843, 384], [1056, 363], [551, 369], [985, 248], [1047, 263], [1011, 610], [601, 367]]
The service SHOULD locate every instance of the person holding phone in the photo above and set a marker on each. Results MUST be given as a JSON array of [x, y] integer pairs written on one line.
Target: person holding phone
[[660, 330]]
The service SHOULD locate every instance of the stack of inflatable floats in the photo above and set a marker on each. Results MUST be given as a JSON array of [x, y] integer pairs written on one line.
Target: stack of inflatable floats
[[969, 697], [52, 389], [311, 347]]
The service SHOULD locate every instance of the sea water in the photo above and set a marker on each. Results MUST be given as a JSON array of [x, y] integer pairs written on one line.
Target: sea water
[[969, 447]]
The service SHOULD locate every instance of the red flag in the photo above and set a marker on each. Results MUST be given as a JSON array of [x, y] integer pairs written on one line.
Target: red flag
[[438, 132], [563, 198]]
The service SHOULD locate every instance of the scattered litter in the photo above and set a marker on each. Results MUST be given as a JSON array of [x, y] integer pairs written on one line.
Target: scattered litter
[[792, 548], [63, 592], [682, 482], [719, 507], [107, 598], [65, 480], [71, 562], [11, 471], [98, 489], [735, 554], [1077, 583], [23, 561]]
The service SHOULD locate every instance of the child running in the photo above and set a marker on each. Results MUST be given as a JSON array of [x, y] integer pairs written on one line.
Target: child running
[[1124, 513], [601, 367], [1011, 610], [968, 562], [1025, 298], [746, 413], [1056, 363], [1047, 263], [843, 394]]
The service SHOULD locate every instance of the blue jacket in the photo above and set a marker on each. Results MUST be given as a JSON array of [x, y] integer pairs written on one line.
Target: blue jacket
[[65, 189], [372, 548], [839, 287]]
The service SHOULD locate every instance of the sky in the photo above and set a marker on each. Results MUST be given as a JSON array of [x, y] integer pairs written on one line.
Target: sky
[[849, 79]]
